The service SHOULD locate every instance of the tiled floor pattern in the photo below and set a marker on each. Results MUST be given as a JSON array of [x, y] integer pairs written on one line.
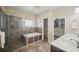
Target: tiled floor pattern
[[39, 46]]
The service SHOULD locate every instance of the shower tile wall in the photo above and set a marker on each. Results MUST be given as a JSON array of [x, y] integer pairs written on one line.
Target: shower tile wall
[[28, 29], [12, 26], [39, 30], [15, 33]]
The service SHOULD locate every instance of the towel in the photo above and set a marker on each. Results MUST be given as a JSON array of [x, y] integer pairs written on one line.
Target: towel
[[2, 35]]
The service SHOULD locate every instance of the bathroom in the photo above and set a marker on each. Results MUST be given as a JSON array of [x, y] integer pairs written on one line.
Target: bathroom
[[27, 30]]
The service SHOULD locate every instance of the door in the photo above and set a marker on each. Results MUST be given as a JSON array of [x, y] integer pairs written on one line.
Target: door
[[46, 29]]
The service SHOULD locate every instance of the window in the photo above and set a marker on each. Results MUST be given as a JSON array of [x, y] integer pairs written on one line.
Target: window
[[27, 22]]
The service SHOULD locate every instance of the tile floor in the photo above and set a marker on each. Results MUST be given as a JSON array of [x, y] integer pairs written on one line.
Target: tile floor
[[39, 46]]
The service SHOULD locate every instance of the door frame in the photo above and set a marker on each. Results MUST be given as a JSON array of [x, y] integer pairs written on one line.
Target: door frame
[[43, 28]]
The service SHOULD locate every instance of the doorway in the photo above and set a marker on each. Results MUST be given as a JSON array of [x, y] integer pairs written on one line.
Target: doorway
[[46, 29]]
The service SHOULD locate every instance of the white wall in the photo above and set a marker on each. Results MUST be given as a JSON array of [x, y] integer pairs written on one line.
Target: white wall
[[40, 18], [69, 22]]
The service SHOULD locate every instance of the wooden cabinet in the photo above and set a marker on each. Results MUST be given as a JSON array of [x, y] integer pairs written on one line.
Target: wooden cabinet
[[30, 40], [35, 38], [40, 37], [55, 49]]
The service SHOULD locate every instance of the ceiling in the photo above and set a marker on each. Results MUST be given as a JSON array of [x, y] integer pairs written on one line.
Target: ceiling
[[33, 9]]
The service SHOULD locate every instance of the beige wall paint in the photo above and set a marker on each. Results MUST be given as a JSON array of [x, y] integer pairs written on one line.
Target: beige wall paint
[[15, 12]]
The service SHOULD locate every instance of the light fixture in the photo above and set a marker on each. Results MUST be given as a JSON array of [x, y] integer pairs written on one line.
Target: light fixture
[[37, 6], [77, 10]]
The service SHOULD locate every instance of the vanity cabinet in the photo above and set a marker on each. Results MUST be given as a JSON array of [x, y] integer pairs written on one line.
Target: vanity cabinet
[[55, 49]]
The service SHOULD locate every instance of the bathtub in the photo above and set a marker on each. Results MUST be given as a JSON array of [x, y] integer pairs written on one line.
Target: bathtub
[[32, 36]]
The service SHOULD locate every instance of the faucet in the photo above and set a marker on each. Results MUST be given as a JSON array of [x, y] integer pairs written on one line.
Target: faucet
[[76, 42]]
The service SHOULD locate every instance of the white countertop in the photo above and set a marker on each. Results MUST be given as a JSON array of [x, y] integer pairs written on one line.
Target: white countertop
[[65, 43]]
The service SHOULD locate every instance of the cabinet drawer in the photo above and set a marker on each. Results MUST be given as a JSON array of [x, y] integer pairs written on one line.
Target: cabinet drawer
[[40, 37], [35, 38], [25, 41], [30, 40]]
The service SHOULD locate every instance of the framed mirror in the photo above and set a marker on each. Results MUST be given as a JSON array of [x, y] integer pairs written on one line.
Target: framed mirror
[[59, 27]]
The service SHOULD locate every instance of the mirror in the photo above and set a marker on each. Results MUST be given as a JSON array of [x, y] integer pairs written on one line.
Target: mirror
[[59, 27]]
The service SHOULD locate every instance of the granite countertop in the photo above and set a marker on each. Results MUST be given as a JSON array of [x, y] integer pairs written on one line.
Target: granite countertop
[[64, 43]]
